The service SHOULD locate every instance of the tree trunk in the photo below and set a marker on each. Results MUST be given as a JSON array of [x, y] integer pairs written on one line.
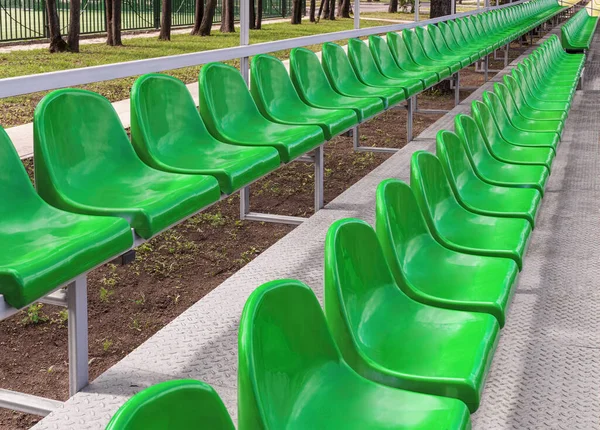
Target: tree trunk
[[116, 23], [198, 14], [321, 7], [339, 8], [74, 26], [252, 17], [393, 7], [207, 19], [441, 8], [345, 9], [259, 13], [326, 8], [332, 10], [296, 12], [165, 21], [313, 6], [109, 33], [57, 44], [227, 22]]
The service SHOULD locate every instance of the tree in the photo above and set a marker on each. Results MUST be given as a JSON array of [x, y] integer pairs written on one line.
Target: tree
[[331, 9], [227, 19], [252, 16], [113, 23], [57, 44], [165, 21], [325, 6], [207, 19], [74, 26], [259, 13], [296, 12], [345, 9], [393, 7], [198, 14], [313, 6]]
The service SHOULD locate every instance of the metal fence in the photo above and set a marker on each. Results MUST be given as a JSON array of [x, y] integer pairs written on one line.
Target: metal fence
[[27, 19]]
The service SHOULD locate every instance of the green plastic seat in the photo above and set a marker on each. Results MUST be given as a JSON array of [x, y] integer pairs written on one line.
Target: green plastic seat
[[561, 85], [513, 134], [278, 101], [466, 55], [88, 166], [42, 247], [419, 56], [490, 169], [343, 79], [503, 150], [366, 70], [404, 59], [443, 37], [432, 52], [291, 374], [388, 67], [458, 281], [542, 92], [314, 88], [177, 404], [168, 134], [532, 101], [477, 195], [458, 228], [453, 28], [388, 337], [231, 115], [507, 104], [577, 33], [526, 110]]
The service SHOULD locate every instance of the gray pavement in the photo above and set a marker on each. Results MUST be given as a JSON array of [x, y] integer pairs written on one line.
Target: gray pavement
[[546, 371]]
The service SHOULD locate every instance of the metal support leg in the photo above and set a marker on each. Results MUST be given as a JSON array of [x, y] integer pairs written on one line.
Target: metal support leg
[[486, 68], [319, 176], [355, 138], [506, 54], [531, 38], [457, 89], [78, 334], [244, 202], [409, 120]]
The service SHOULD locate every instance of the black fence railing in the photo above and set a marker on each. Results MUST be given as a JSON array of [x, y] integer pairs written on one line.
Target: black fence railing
[[27, 20]]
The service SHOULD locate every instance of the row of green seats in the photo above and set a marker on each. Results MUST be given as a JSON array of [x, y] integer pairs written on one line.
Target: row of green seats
[[577, 33], [372, 358]]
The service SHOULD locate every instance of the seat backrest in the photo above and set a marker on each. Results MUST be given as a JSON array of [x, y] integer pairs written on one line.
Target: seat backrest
[[307, 74], [382, 54], [283, 342], [225, 102], [457, 32], [164, 119], [493, 102], [514, 88], [360, 292], [503, 94], [448, 35], [337, 67], [470, 134], [399, 224], [177, 404], [79, 141], [486, 123], [438, 39], [431, 188], [400, 51], [414, 47], [17, 195], [426, 42], [455, 161], [271, 86], [362, 60]]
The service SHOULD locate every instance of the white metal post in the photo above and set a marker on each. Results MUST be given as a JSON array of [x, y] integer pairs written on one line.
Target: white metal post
[[356, 14], [417, 4], [319, 177], [453, 7], [355, 138], [410, 117], [78, 334], [245, 70]]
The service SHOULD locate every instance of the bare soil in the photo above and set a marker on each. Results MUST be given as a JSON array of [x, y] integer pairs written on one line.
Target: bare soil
[[128, 304]]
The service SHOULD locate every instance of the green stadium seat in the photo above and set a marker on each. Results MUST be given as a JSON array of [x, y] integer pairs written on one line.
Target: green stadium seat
[[524, 109], [392, 339], [314, 88], [477, 195], [291, 374], [458, 228], [503, 150], [420, 56], [577, 33], [177, 404], [450, 49], [231, 115], [343, 79], [404, 59], [431, 51], [366, 70], [41, 247], [492, 170], [87, 165], [531, 100], [278, 101], [458, 281], [387, 65], [168, 134]]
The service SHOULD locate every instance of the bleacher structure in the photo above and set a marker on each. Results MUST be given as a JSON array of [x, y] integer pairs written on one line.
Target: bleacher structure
[[425, 266]]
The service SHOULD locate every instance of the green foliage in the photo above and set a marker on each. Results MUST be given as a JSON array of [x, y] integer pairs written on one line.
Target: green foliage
[[34, 315], [105, 294]]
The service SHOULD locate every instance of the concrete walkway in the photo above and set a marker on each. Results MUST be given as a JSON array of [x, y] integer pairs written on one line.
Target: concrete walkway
[[545, 374]]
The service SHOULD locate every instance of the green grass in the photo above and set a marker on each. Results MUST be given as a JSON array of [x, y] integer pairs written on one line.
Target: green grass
[[19, 110], [398, 16]]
